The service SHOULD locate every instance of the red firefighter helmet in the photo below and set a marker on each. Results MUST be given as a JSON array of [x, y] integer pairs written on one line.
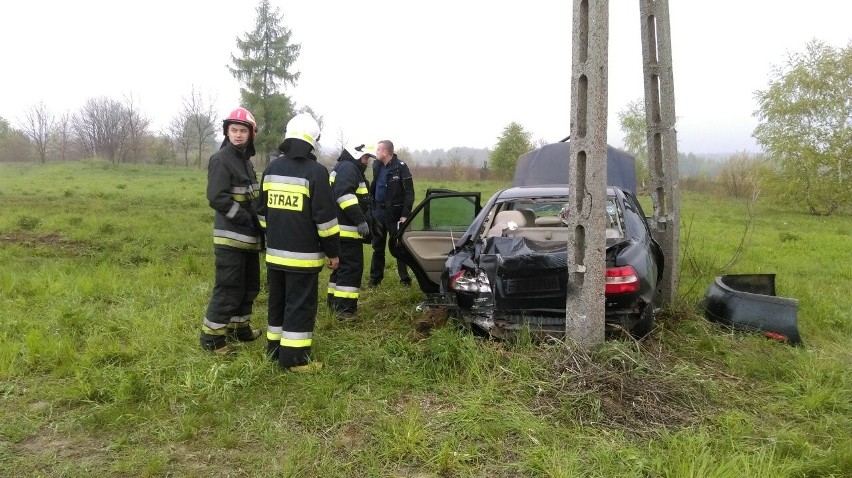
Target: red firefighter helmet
[[241, 116]]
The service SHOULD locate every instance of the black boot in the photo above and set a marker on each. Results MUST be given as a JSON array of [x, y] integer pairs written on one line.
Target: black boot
[[242, 332], [216, 344], [272, 349], [299, 364]]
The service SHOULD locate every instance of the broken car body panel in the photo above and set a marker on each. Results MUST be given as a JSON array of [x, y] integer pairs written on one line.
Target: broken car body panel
[[509, 269], [748, 302]]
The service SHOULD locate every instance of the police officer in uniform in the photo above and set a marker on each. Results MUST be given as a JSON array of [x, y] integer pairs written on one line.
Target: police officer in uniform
[[231, 190], [350, 189], [299, 213], [392, 195]]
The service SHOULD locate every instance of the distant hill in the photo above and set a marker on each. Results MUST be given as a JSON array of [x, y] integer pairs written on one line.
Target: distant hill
[[476, 156], [689, 164]]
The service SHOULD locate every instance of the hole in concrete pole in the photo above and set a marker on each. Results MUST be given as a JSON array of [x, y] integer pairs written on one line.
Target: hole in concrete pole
[[583, 31], [651, 26], [660, 206], [658, 169], [580, 180], [658, 155], [582, 105], [579, 254], [655, 99]]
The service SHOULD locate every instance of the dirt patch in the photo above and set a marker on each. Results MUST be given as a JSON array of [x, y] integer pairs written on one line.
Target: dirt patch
[[432, 318], [636, 387], [86, 451], [52, 242]]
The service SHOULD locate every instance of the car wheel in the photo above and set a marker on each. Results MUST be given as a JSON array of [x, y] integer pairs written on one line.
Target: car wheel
[[645, 323]]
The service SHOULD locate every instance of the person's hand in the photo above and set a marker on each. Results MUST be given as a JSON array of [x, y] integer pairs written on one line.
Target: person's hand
[[333, 262], [243, 218], [402, 219], [364, 230]]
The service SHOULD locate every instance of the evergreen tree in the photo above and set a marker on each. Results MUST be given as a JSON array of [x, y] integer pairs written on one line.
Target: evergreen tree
[[264, 71]]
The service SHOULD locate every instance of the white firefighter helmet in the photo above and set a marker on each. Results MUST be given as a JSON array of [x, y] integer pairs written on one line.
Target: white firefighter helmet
[[358, 150], [303, 126]]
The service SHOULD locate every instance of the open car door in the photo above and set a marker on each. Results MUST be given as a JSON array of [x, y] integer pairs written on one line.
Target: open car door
[[428, 236]]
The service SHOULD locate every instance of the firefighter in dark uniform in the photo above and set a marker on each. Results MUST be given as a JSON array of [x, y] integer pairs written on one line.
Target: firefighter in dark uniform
[[298, 211], [350, 189], [392, 197], [231, 190]]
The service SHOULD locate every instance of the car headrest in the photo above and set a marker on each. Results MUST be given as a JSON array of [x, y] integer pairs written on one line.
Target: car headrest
[[529, 215], [503, 217]]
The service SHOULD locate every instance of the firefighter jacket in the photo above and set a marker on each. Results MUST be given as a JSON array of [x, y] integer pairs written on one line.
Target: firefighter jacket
[[298, 211], [231, 190], [399, 199], [350, 191]]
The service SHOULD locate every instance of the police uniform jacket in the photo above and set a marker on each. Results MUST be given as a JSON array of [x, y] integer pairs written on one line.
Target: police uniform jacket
[[399, 199], [231, 190], [352, 195], [298, 211]]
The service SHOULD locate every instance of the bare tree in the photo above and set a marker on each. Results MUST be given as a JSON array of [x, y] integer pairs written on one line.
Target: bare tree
[[739, 175], [102, 129], [37, 127], [179, 137], [194, 126], [200, 124], [137, 128], [63, 134]]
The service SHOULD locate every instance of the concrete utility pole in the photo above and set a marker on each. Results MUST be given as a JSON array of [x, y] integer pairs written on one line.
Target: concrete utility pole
[[662, 138], [584, 309]]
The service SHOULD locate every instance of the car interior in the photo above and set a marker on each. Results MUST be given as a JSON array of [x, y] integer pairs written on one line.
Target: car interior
[[514, 220]]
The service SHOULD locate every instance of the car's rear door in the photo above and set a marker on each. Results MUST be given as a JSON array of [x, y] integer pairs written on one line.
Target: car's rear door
[[427, 237]]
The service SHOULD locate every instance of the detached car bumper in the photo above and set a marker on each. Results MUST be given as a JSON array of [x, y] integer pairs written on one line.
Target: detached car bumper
[[748, 302]]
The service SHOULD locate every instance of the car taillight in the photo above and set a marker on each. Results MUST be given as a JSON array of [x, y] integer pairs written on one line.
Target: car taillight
[[464, 281], [621, 280]]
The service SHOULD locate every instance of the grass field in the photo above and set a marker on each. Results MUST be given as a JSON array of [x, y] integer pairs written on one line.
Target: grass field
[[105, 272]]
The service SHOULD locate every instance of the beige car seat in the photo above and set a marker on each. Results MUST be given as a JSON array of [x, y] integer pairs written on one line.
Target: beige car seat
[[529, 216], [502, 222]]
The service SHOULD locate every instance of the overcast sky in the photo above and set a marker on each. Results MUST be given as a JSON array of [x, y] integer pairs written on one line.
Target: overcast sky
[[426, 75]]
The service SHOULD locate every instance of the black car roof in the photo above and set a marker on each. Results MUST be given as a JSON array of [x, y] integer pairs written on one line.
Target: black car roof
[[521, 192]]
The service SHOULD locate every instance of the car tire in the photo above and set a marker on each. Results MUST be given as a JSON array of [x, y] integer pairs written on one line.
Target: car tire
[[645, 323]]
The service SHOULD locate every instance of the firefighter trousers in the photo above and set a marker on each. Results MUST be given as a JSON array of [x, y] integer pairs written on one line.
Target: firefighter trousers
[[292, 314], [344, 284], [236, 286]]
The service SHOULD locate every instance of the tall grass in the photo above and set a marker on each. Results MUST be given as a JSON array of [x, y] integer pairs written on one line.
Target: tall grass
[[104, 276]]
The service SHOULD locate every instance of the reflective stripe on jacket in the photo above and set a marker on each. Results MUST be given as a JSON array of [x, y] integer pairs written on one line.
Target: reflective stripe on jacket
[[299, 213], [231, 191], [351, 194]]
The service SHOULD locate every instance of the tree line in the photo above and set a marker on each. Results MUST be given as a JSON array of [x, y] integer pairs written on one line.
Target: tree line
[[805, 128], [119, 131]]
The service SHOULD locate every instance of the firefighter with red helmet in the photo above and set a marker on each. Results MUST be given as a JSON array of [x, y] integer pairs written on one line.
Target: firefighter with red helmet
[[298, 211], [351, 191], [232, 190]]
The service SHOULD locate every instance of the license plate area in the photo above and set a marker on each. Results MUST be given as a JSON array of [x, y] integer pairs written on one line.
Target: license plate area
[[528, 285]]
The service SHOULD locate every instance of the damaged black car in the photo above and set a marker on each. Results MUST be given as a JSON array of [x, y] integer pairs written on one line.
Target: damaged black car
[[503, 267]]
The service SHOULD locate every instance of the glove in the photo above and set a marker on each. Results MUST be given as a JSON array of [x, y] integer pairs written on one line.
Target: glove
[[364, 230], [243, 218]]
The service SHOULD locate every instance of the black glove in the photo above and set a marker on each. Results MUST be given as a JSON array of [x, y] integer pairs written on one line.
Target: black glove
[[364, 230], [243, 218]]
